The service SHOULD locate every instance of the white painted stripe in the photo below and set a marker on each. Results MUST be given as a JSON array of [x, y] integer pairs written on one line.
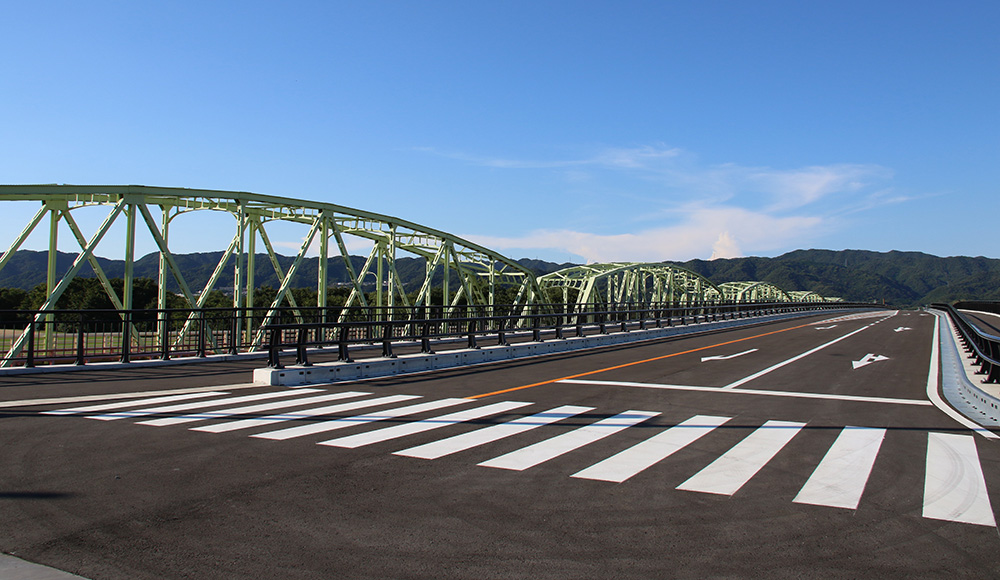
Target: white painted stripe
[[396, 431], [727, 474], [323, 427], [635, 459], [120, 396], [792, 394], [134, 403], [303, 414], [769, 369], [954, 487], [543, 451], [262, 408], [486, 435], [933, 385], [201, 404], [841, 476]]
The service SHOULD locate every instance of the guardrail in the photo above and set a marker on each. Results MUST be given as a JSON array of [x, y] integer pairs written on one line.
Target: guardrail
[[983, 347], [574, 320]]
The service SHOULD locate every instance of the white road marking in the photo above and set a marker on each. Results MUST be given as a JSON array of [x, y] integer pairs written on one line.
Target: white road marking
[[396, 431], [728, 356], [762, 392], [119, 396], [325, 426], [486, 435], [769, 369], [954, 487], [841, 476], [133, 403], [727, 474], [303, 414], [200, 404], [543, 451], [641, 456], [867, 360], [261, 408]]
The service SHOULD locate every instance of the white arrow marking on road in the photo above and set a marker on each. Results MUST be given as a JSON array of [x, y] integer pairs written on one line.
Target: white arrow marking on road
[[867, 360], [826, 327], [727, 357], [902, 328]]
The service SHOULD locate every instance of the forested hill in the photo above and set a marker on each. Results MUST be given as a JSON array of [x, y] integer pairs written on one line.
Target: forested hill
[[898, 278]]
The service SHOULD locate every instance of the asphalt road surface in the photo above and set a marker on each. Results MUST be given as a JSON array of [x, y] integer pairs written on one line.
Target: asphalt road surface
[[804, 448]]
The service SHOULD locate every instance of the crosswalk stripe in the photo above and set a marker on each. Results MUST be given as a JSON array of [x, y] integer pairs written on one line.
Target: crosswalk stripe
[[553, 447], [303, 414], [954, 486], [841, 476], [199, 405], [396, 431], [486, 435], [641, 456], [727, 474], [133, 403], [261, 408], [323, 427]]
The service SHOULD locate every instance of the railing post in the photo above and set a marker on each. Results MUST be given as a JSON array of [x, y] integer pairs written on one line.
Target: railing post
[[201, 334], [472, 334], [165, 335], [301, 357], [29, 361], [80, 343], [343, 354], [126, 337], [274, 350], [387, 340]]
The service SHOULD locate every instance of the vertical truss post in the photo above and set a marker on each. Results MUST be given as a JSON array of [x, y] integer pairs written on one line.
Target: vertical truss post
[[50, 275], [127, 290], [163, 319], [245, 322], [322, 270], [239, 274]]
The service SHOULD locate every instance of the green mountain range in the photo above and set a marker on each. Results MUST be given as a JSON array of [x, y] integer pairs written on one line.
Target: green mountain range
[[896, 278]]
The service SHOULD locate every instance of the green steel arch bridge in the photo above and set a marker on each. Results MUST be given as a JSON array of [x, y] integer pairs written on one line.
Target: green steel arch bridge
[[457, 271]]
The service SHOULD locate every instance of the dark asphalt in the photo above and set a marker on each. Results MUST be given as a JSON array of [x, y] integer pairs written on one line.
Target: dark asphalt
[[120, 500]]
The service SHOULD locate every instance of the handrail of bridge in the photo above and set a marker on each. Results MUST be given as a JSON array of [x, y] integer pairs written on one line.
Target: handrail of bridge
[[474, 329], [981, 346]]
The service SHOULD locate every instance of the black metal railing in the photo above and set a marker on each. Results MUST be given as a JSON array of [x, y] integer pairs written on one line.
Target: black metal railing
[[984, 348], [78, 337], [542, 323]]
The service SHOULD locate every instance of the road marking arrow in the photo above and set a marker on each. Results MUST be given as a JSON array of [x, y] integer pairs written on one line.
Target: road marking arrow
[[867, 360], [902, 328], [728, 356], [826, 327]]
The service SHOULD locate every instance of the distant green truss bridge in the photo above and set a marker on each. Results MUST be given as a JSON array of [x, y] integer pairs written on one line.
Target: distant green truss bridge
[[457, 271]]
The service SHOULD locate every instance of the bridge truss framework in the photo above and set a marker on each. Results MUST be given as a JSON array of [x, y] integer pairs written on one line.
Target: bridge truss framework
[[462, 271]]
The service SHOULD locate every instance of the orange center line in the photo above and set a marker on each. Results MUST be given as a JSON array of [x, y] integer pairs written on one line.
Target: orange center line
[[638, 362]]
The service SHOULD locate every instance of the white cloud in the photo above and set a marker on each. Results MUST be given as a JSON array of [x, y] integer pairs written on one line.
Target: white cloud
[[720, 232], [689, 209]]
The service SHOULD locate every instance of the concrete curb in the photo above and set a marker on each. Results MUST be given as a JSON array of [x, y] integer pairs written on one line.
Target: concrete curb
[[958, 380], [383, 367], [14, 568]]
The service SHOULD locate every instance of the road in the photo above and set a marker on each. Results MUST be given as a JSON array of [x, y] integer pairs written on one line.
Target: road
[[803, 448]]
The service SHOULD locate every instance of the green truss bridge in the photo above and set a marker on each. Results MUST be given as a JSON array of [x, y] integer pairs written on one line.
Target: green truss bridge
[[457, 272]]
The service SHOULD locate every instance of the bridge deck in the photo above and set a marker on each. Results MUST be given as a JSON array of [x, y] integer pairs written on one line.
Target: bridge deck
[[801, 448]]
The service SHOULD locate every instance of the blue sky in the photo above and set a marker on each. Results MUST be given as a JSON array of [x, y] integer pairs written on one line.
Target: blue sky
[[567, 131]]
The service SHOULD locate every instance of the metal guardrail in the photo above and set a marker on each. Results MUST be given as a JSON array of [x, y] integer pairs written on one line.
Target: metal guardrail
[[981, 346], [558, 325]]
